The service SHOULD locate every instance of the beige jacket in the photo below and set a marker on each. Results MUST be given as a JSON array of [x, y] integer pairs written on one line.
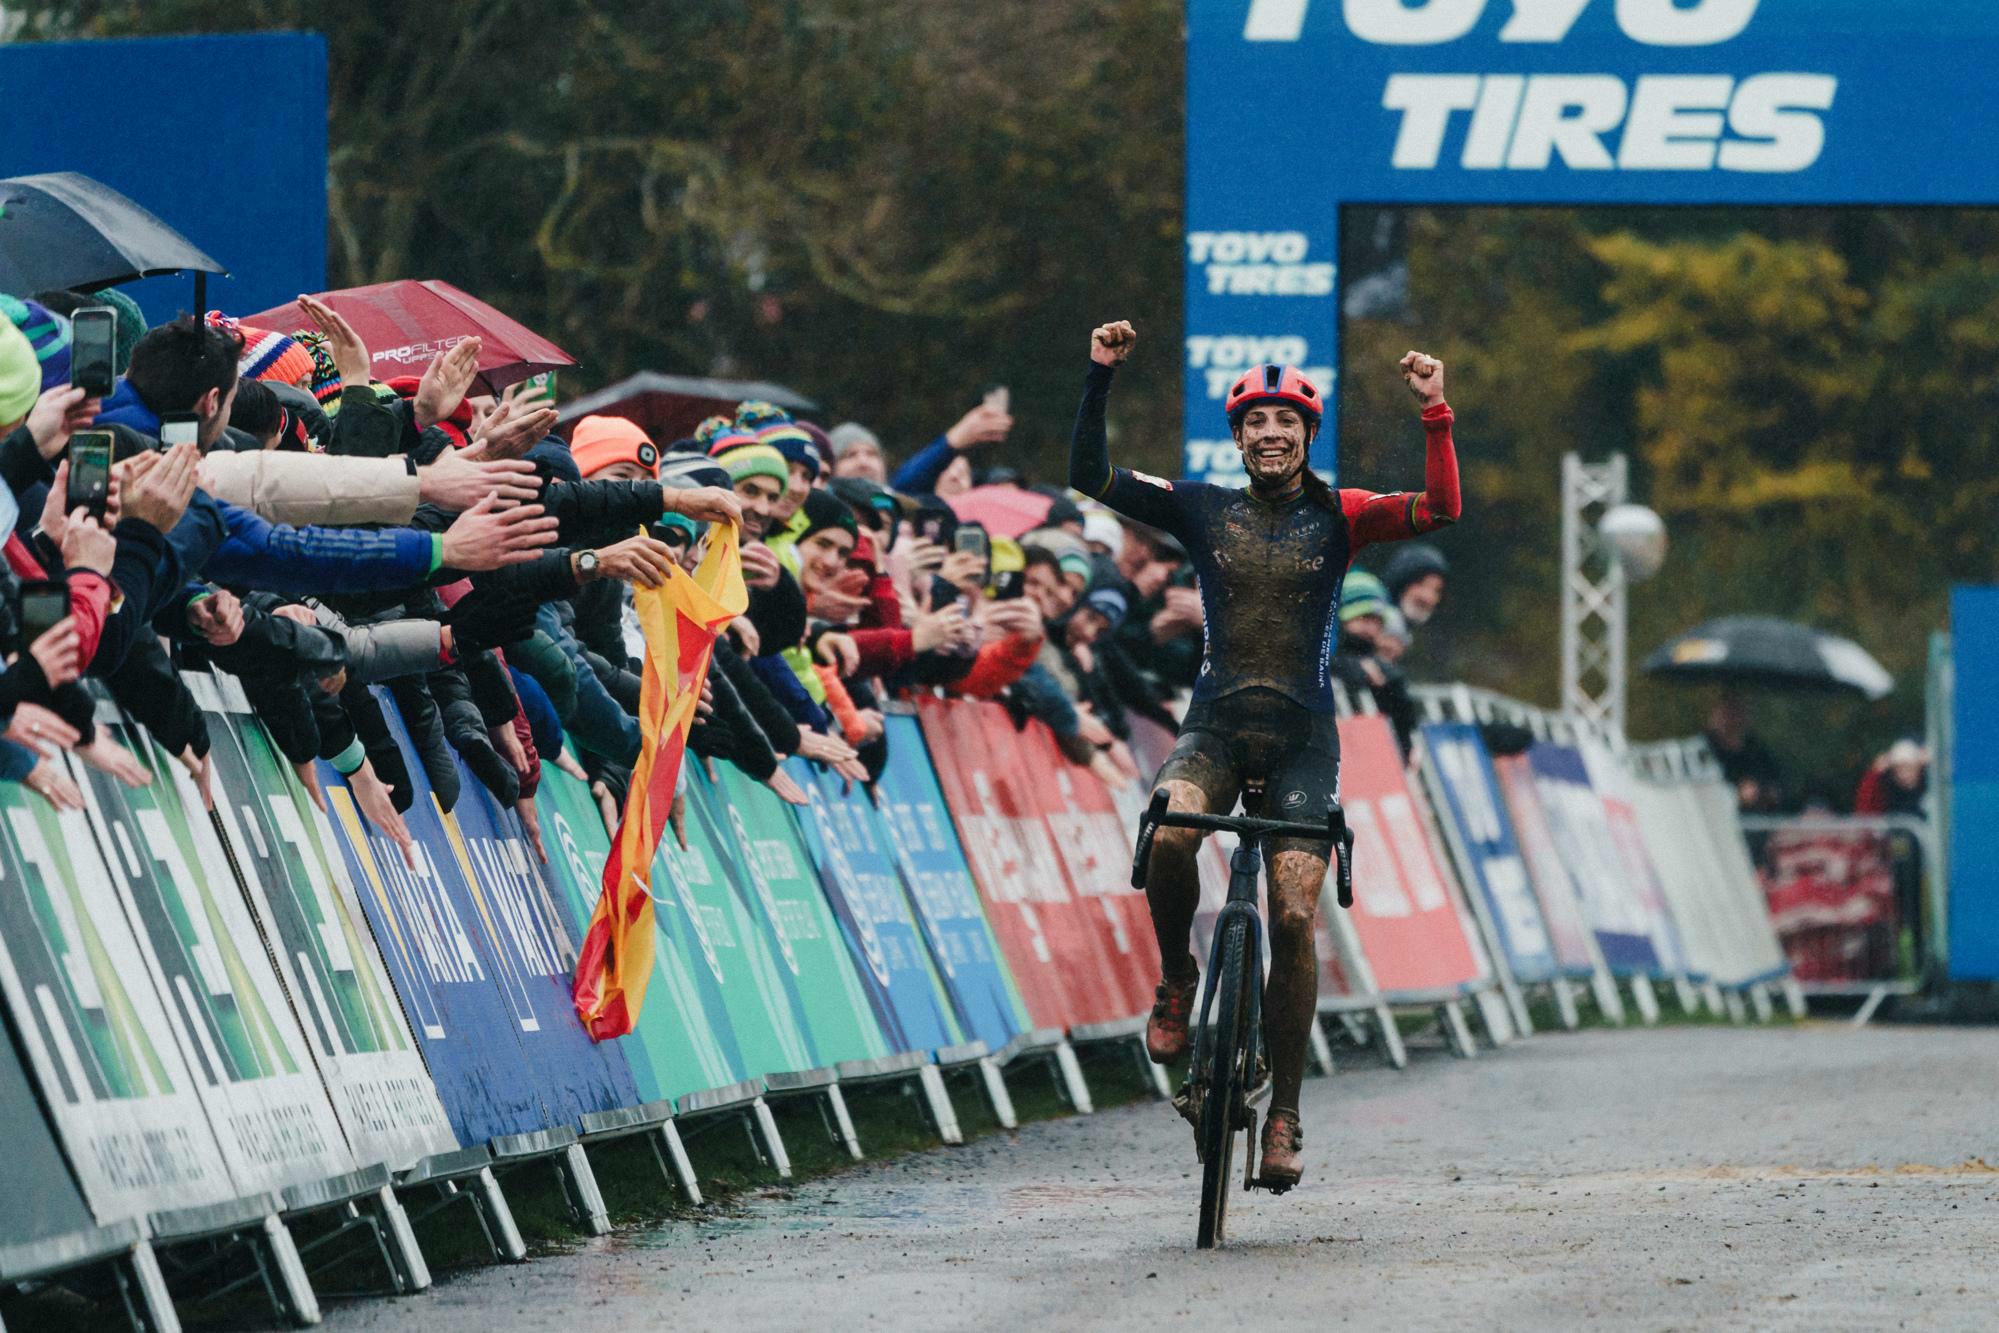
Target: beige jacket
[[302, 489]]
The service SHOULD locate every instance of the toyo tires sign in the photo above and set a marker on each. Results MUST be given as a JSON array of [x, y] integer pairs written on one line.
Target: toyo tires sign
[[1297, 107]]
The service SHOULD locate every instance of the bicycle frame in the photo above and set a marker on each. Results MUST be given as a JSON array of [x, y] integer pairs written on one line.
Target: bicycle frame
[[1245, 868]]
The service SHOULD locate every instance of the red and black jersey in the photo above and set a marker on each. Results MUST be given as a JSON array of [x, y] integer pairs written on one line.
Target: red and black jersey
[[1270, 571]]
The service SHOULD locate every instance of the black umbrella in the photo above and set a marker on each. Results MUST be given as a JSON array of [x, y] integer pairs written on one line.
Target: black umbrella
[[1763, 650], [66, 230]]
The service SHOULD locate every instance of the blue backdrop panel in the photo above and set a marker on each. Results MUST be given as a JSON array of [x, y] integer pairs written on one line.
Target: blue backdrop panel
[[223, 138], [1974, 792], [1534, 102], [941, 891], [1476, 809], [857, 869], [1622, 931]]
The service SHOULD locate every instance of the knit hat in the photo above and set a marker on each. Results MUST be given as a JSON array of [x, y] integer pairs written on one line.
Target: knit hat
[[1066, 547], [754, 414], [1362, 595], [131, 325], [820, 441], [1101, 528], [712, 429], [457, 427], [692, 470], [267, 355], [824, 512], [601, 442], [1410, 562], [746, 456], [20, 373], [1394, 625], [793, 443], [326, 385], [1108, 602], [47, 332], [849, 435]]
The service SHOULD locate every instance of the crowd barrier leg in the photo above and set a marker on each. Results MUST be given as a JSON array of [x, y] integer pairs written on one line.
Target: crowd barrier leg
[[1759, 1001], [564, 1154], [1321, 1049], [1457, 1032], [123, 1247], [671, 1154], [1686, 996], [365, 1201], [1711, 997], [1738, 1012], [1565, 1003], [842, 1128], [249, 1226], [1495, 1015], [943, 1115], [1646, 1000], [1794, 996], [466, 1176], [1125, 1032], [994, 1083], [773, 1143], [739, 1103]]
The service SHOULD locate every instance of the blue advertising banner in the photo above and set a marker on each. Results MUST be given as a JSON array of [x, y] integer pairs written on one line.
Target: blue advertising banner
[[140, 115], [911, 807], [1576, 820], [1974, 786], [1462, 772], [857, 870], [1534, 102]]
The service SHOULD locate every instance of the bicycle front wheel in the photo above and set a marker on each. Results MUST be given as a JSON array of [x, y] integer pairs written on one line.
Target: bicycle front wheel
[[1221, 1109]]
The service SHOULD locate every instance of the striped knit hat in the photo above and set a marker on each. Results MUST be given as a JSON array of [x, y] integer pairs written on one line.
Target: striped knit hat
[[744, 455], [755, 414], [1362, 594], [46, 332], [325, 385], [267, 355], [711, 430], [790, 440]]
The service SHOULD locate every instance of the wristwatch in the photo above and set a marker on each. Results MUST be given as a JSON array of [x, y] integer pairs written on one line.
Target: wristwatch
[[586, 566]]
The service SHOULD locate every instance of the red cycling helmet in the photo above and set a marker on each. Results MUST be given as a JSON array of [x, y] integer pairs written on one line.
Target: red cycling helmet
[[1273, 384]]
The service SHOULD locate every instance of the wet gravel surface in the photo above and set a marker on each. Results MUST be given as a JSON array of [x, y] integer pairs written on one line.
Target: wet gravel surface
[[1806, 1178]]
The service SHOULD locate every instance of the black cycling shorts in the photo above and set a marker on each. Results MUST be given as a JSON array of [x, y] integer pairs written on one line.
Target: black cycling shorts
[[1259, 734]]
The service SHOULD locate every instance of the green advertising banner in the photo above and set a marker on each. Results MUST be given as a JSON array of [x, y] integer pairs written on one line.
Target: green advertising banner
[[674, 1047], [91, 1025], [305, 899], [776, 881], [208, 960]]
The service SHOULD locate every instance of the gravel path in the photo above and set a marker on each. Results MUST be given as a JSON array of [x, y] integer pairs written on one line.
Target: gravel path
[[1811, 1178]]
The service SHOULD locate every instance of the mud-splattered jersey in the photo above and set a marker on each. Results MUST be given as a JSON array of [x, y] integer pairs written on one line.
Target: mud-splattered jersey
[[1270, 572]]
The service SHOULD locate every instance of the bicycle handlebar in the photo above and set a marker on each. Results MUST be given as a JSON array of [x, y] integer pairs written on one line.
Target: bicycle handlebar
[[1334, 831]]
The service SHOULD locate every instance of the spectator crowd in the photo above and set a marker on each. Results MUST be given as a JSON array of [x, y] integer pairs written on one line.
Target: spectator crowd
[[314, 532]]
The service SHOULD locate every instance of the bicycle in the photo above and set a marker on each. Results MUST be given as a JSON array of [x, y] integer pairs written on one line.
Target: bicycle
[[1217, 1096]]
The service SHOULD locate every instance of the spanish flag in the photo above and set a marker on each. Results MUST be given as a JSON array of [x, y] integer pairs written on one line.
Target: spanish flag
[[680, 620]]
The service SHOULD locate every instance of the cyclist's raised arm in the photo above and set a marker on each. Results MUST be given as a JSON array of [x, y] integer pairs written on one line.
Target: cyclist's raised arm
[[1135, 495], [1399, 515]]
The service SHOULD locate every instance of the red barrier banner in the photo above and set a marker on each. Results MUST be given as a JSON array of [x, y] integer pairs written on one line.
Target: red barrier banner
[[1055, 964], [1833, 895], [1409, 926], [1094, 845]]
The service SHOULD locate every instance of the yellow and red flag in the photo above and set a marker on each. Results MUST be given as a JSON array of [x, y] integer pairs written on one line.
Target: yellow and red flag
[[681, 619]]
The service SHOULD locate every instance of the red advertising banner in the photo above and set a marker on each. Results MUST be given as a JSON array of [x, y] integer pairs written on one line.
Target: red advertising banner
[[1094, 845], [1056, 963], [1409, 927]]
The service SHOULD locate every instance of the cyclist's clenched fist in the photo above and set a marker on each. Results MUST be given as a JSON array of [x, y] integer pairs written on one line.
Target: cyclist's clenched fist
[[1111, 343]]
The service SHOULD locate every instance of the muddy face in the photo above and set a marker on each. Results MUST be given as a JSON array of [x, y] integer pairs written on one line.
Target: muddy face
[[1272, 438]]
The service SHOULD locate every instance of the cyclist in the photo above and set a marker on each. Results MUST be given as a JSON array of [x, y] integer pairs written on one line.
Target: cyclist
[[1271, 558]]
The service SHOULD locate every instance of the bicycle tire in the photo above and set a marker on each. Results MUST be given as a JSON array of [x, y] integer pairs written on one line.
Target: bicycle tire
[[1219, 1122]]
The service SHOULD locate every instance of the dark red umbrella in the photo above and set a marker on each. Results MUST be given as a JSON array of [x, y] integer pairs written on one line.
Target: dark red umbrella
[[406, 324]]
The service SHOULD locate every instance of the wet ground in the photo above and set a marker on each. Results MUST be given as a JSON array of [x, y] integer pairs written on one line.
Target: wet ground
[[1806, 1178]]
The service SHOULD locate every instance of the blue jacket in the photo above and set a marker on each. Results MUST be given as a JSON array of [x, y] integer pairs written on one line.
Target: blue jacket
[[229, 544], [919, 475]]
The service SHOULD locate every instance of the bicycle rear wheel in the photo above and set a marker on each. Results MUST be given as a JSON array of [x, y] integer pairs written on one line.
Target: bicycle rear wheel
[[1228, 1041]]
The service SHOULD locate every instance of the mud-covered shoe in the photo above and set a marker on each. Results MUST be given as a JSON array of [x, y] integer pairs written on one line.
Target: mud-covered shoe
[[1283, 1142], [1166, 1031]]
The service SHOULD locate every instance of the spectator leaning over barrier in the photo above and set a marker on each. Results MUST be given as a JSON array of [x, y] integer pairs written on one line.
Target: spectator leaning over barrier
[[944, 466], [1897, 782], [1414, 576]]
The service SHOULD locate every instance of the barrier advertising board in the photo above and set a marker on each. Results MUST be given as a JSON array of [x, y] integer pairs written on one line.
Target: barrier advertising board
[[1973, 851], [1460, 772], [940, 887], [1575, 820], [42, 1200], [1530, 102], [857, 870], [303, 897], [1610, 776], [1408, 925], [1554, 888], [208, 960], [808, 972]]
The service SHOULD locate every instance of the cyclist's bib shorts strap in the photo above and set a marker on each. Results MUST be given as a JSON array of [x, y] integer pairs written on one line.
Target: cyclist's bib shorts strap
[[1260, 734]]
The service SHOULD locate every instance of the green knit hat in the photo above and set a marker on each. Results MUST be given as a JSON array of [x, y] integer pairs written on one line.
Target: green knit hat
[[1362, 595], [131, 326], [746, 456], [21, 375]]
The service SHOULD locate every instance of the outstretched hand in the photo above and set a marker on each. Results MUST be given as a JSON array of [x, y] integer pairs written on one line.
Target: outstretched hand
[[1424, 375], [1111, 343]]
